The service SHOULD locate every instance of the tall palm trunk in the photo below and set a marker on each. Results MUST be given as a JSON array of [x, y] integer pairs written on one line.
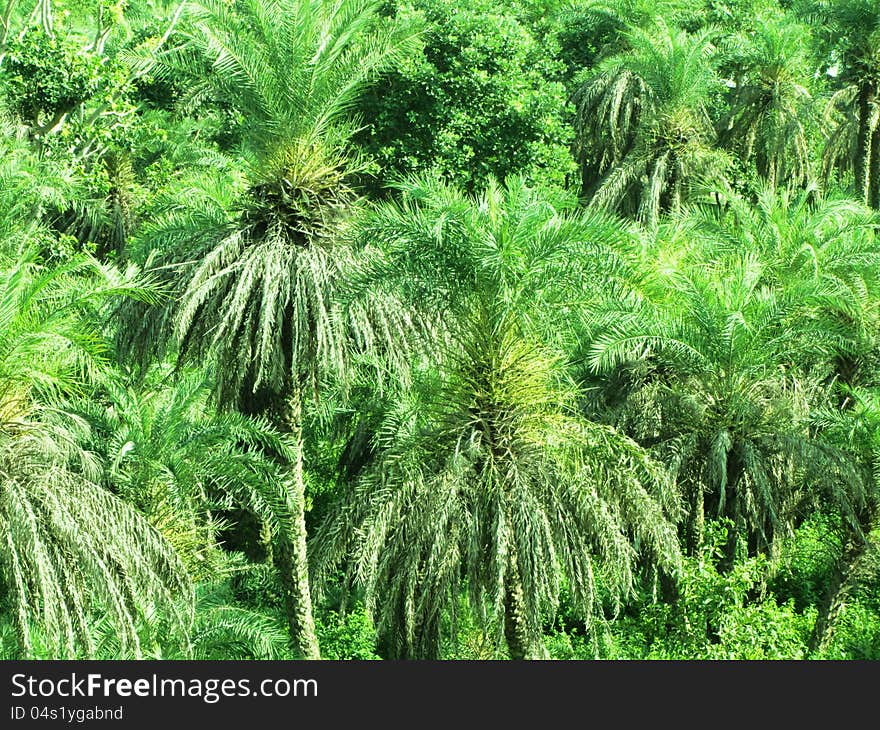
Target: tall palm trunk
[[696, 518], [732, 511], [867, 161], [515, 629], [520, 643], [843, 578], [874, 169], [291, 559], [863, 140]]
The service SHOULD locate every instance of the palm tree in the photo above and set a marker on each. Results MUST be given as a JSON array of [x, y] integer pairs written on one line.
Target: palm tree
[[816, 247], [644, 137], [31, 191], [226, 632], [856, 430], [592, 30], [72, 549], [259, 304], [187, 468], [768, 122], [486, 478], [42, 192], [851, 28], [621, 15], [180, 464], [707, 351]]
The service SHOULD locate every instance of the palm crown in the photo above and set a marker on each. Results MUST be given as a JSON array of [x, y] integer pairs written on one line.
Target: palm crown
[[644, 133], [262, 306]]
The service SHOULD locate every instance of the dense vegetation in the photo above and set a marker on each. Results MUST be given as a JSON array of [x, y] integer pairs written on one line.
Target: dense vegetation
[[424, 328]]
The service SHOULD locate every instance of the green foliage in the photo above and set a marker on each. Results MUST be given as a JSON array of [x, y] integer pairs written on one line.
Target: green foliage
[[181, 464], [47, 76], [487, 474], [806, 562], [716, 615], [283, 236], [391, 359], [771, 115], [274, 63], [707, 345], [222, 630], [72, 549], [346, 636], [589, 31], [856, 633], [481, 100], [644, 135]]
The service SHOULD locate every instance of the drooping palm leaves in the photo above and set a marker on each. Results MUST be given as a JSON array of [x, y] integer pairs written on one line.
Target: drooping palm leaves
[[491, 483], [643, 131], [181, 464], [856, 429], [849, 36], [72, 550], [819, 249], [711, 349], [769, 119]]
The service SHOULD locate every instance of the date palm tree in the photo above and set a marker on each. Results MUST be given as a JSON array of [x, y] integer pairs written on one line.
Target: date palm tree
[[644, 136], [259, 304], [713, 352], [856, 430], [819, 246], [182, 465], [770, 107], [486, 479], [849, 32], [73, 551]]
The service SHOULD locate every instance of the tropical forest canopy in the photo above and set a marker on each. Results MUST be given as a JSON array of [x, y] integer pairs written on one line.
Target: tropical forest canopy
[[440, 329]]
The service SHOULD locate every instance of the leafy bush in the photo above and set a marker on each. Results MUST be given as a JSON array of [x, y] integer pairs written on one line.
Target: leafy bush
[[716, 616], [348, 635], [478, 102], [47, 75], [856, 633]]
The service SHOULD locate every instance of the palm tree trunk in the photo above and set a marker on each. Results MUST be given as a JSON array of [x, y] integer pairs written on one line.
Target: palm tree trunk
[[695, 520], [291, 559], [874, 169], [843, 578], [516, 631], [863, 140], [732, 512]]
